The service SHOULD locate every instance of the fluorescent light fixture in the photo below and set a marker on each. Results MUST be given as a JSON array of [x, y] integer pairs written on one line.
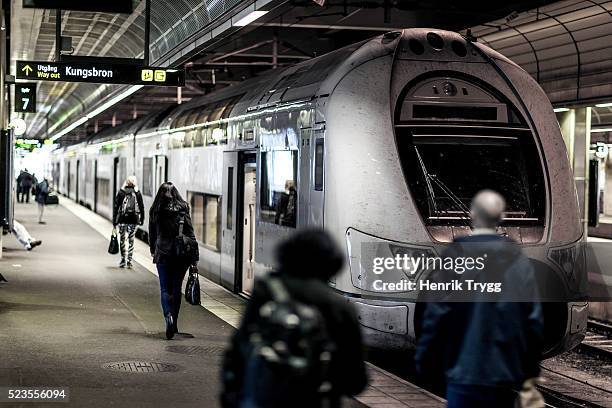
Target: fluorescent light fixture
[[601, 130], [114, 100], [249, 18], [97, 111], [561, 110], [604, 105], [69, 128]]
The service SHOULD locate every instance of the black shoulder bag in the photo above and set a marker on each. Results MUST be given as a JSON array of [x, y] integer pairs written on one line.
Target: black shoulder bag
[[185, 247]]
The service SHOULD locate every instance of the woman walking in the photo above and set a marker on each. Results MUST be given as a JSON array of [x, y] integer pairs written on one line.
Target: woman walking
[[170, 228], [128, 212]]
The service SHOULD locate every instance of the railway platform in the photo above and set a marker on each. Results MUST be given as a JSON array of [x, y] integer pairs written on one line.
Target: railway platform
[[72, 319]]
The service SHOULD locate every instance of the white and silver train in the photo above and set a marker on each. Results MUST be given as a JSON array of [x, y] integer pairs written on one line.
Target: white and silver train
[[386, 142]]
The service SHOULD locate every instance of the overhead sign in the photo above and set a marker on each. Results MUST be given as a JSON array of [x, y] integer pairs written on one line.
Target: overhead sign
[[25, 98], [108, 6], [103, 73]]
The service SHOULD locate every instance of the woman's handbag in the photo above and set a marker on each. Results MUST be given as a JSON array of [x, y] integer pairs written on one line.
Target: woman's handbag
[[192, 288], [113, 246], [185, 247]]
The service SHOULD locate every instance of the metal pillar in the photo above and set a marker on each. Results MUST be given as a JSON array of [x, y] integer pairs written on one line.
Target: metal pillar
[[8, 177], [576, 130]]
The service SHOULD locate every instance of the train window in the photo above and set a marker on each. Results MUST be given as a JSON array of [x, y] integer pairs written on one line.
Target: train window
[[444, 173], [147, 176], [278, 187], [103, 187], [319, 166], [230, 198], [206, 218]]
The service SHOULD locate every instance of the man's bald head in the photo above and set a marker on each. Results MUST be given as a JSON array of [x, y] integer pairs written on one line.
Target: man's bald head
[[487, 209]]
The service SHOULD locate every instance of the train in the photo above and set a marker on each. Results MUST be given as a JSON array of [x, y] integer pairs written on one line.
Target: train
[[383, 143]]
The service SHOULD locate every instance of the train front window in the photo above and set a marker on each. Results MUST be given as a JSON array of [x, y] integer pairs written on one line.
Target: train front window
[[445, 172]]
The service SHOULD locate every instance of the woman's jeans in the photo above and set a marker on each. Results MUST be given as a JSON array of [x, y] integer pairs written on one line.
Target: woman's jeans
[[171, 277], [475, 396]]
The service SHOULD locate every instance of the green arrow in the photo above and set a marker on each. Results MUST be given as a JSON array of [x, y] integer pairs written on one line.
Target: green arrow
[[27, 69]]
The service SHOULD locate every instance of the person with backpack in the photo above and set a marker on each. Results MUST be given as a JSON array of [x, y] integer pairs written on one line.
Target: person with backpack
[[299, 343], [41, 192], [173, 247], [128, 212]]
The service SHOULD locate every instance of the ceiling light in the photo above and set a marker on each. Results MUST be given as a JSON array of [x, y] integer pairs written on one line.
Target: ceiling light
[[249, 18], [557, 110], [69, 128], [97, 111], [604, 105]]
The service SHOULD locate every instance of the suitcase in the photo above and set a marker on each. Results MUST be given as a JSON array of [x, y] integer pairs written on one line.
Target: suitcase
[[52, 199]]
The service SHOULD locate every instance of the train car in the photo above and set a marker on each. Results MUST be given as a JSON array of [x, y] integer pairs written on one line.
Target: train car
[[382, 142]]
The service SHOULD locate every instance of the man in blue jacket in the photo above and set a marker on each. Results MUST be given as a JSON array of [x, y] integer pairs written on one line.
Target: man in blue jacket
[[487, 345]]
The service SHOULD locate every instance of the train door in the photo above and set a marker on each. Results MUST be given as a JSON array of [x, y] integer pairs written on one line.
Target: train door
[[304, 177], [95, 184], [310, 191], [249, 199], [161, 171], [67, 179], [115, 176], [228, 221], [77, 175]]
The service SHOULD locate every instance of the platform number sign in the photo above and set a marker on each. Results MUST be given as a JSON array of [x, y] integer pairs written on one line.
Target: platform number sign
[[25, 98]]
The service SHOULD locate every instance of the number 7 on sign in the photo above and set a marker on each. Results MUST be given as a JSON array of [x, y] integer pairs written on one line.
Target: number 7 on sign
[[26, 102]]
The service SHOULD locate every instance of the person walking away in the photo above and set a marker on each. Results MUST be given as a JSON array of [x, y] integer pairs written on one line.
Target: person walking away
[[18, 186], [41, 194], [24, 237], [128, 212], [299, 343], [26, 186], [486, 346], [169, 224]]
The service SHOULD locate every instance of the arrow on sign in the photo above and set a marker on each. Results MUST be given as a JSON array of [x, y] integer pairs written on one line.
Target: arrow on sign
[[27, 69]]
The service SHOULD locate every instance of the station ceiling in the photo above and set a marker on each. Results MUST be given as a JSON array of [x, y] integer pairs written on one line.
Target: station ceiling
[[198, 35]]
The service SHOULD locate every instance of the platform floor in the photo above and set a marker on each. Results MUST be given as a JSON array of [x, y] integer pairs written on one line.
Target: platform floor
[[68, 310], [69, 317]]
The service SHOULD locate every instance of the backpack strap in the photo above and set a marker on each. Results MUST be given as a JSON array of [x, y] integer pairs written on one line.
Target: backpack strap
[[277, 289]]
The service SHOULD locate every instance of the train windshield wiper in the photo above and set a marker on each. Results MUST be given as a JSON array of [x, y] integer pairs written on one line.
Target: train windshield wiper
[[431, 195]]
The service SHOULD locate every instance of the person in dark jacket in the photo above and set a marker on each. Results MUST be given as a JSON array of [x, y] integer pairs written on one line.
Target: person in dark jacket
[[26, 185], [165, 215], [286, 206], [306, 262], [41, 192], [487, 346], [128, 212]]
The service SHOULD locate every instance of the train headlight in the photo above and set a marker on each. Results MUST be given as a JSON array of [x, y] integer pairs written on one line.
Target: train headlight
[[412, 259]]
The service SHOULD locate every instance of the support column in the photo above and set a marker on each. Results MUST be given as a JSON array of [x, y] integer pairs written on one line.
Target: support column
[[576, 130]]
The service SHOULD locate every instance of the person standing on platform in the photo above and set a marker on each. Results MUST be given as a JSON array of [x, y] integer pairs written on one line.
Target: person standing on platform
[[169, 219], [294, 316], [128, 212], [42, 192], [487, 347], [26, 186]]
